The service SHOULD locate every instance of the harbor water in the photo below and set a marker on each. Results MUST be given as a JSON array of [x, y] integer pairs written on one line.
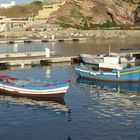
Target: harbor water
[[90, 110]]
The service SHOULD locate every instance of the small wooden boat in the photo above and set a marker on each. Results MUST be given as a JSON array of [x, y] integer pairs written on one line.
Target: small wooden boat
[[125, 75], [26, 88]]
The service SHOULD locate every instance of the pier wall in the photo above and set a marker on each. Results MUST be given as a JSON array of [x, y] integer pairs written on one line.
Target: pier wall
[[94, 33], [74, 33]]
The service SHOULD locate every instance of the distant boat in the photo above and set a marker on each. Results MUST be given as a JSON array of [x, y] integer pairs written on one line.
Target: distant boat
[[129, 49], [26, 88], [125, 75]]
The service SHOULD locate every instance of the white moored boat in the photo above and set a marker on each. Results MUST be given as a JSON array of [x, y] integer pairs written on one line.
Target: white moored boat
[[96, 59], [91, 58]]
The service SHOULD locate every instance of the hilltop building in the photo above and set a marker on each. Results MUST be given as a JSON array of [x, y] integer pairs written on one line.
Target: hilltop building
[[12, 3], [44, 14]]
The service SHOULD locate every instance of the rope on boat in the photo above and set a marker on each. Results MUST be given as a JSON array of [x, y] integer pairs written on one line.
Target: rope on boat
[[77, 89]]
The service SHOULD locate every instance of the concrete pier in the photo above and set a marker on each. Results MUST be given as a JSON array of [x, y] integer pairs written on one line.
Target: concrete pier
[[42, 40], [33, 58], [61, 59], [23, 58], [18, 55]]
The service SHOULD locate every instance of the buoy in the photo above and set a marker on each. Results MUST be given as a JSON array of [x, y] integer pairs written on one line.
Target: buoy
[[15, 47], [118, 73], [69, 81], [47, 52], [22, 65]]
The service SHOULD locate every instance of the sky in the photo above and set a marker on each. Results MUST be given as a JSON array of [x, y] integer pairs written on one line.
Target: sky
[[17, 1]]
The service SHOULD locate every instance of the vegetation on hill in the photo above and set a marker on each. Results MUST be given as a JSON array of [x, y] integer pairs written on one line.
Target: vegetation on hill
[[20, 11], [97, 14]]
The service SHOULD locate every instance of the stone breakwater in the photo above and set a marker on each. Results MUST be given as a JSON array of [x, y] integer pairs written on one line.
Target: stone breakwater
[[58, 34], [95, 33]]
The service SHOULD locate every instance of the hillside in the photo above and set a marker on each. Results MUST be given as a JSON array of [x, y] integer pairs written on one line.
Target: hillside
[[21, 10], [90, 13], [84, 14]]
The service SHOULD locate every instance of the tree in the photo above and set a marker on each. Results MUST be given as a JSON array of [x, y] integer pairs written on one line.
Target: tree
[[36, 3]]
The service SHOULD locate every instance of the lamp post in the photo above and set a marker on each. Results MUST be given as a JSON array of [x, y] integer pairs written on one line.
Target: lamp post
[[32, 14]]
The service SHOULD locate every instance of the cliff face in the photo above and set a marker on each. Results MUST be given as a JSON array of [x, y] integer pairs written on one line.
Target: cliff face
[[95, 12], [137, 16]]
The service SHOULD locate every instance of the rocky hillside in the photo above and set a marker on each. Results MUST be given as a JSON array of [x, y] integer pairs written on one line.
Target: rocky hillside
[[92, 12], [22, 11]]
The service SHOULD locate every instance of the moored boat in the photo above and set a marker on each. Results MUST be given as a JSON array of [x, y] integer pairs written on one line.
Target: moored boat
[[96, 59], [91, 58], [26, 88], [125, 75], [110, 63]]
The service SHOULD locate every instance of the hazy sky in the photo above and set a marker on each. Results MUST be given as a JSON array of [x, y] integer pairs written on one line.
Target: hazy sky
[[17, 1]]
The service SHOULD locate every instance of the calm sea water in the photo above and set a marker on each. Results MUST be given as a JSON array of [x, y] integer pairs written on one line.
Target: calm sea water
[[89, 111], [75, 48]]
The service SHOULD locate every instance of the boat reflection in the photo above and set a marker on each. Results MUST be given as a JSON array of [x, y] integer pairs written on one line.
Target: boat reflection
[[35, 103], [129, 88]]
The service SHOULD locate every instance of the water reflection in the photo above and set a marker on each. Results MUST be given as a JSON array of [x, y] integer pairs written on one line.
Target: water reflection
[[133, 88], [112, 99], [55, 105]]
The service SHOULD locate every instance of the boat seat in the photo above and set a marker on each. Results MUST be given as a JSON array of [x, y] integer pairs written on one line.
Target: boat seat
[[49, 85], [9, 81]]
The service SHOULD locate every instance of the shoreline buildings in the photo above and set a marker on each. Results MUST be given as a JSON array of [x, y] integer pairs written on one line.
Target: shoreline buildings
[[14, 24], [39, 22]]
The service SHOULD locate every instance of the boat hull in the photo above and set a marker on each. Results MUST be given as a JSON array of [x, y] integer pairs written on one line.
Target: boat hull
[[16, 94], [126, 75], [91, 59], [49, 91]]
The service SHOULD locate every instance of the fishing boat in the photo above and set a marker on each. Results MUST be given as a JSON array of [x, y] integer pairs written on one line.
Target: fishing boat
[[91, 58], [99, 58], [110, 63], [125, 75], [27, 88]]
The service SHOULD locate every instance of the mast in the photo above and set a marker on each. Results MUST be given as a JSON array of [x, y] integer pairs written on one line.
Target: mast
[[109, 51]]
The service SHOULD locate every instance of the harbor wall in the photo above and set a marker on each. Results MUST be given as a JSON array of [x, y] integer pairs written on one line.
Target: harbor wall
[[94, 33], [74, 33]]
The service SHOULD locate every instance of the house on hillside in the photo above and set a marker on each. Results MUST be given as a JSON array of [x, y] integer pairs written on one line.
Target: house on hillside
[[44, 14]]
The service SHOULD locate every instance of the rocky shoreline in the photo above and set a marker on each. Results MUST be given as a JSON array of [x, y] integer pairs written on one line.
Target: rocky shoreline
[[69, 34]]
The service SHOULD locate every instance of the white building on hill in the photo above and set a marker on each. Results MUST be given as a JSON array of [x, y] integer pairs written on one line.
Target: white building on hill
[[3, 5]]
